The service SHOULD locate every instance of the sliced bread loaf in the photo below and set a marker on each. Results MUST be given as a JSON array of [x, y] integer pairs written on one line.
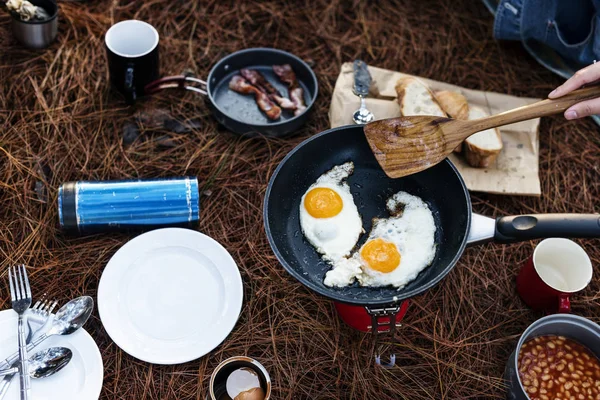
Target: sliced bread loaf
[[482, 148], [455, 105], [415, 98]]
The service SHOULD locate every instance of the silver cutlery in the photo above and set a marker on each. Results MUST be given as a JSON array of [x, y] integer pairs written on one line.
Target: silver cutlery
[[43, 364], [68, 319], [20, 294], [362, 83], [41, 312]]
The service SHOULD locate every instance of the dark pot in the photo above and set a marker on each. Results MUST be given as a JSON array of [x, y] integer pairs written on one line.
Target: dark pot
[[37, 34], [571, 326]]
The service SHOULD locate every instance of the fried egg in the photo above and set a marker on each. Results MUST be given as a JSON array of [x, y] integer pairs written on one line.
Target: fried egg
[[397, 249], [328, 216]]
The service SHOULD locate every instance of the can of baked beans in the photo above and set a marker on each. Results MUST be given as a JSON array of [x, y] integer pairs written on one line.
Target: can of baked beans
[[556, 356]]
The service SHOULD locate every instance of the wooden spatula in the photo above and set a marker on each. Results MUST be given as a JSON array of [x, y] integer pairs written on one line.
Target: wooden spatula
[[407, 145]]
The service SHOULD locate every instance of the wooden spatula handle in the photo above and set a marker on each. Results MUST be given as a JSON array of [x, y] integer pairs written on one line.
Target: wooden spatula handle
[[540, 109]]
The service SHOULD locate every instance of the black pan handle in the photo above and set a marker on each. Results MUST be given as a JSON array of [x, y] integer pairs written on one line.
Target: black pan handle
[[536, 226]]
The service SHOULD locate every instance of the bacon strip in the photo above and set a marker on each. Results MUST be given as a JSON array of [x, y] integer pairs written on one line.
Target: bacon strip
[[286, 75], [257, 79], [241, 85]]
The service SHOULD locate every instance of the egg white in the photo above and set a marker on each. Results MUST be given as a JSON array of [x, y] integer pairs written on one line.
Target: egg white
[[411, 228], [333, 237]]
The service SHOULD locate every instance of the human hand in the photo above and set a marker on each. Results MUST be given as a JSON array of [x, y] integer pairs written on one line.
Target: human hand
[[587, 75]]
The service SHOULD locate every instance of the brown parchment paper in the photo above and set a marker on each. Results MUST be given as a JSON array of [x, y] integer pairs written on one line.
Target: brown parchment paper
[[516, 168]]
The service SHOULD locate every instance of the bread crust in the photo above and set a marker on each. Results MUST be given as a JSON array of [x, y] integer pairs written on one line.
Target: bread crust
[[480, 157], [401, 85]]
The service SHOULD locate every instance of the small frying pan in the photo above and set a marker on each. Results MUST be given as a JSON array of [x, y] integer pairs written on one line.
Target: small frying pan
[[441, 187], [237, 112]]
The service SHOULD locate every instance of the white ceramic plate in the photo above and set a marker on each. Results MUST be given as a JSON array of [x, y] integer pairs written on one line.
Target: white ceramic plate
[[81, 379], [170, 296]]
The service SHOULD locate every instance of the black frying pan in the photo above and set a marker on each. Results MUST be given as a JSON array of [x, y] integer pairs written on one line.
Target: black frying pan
[[239, 113], [440, 186]]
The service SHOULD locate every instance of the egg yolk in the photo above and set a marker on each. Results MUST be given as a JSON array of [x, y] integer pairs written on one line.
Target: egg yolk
[[323, 203], [381, 255]]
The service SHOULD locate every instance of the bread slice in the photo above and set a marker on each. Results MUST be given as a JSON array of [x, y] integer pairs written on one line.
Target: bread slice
[[455, 105], [415, 98], [482, 148]]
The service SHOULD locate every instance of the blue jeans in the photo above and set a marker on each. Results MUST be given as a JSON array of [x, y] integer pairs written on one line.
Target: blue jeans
[[570, 27]]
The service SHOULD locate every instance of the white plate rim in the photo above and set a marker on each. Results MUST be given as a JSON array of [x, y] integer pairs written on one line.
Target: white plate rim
[[110, 323], [92, 388]]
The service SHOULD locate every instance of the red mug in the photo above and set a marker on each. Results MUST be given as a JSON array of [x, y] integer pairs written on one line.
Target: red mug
[[359, 318], [557, 269]]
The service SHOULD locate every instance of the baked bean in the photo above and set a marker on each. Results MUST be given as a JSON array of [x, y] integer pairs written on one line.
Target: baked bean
[[552, 367]]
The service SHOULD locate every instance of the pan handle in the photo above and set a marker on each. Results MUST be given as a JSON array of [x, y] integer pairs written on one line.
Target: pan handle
[[536, 226], [482, 230], [176, 81], [395, 314]]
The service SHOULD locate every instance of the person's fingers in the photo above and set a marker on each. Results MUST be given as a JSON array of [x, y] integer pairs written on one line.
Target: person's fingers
[[583, 109], [582, 77]]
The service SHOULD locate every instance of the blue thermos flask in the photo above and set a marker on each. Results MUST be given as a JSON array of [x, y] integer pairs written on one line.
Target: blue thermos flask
[[126, 205]]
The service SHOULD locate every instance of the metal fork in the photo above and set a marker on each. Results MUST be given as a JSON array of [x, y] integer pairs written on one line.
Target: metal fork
[[42, 308], [20, 295]]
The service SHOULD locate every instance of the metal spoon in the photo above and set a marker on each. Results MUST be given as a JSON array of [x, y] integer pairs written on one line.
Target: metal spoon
[[41, 365], [45, 362], [362, 116], [67, 320], [362, 83]]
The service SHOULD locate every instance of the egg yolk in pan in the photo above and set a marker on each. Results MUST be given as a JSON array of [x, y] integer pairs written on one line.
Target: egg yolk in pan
[[323, 202], [381, 255]]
